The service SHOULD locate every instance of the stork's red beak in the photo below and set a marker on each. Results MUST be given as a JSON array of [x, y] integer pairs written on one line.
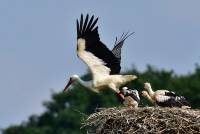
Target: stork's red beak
[[68, 84]]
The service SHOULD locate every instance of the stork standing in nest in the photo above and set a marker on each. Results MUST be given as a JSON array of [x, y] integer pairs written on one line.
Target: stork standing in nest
[[131, 97], [164, 98], [102, 63]]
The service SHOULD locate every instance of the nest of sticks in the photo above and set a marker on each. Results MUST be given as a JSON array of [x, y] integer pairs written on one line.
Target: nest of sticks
[[121, 120]]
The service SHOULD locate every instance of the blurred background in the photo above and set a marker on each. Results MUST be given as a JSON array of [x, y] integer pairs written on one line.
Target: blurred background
[[37, 56]]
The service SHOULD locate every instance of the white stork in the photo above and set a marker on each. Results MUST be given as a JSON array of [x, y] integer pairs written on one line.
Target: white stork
[[131, 97], [102, 63], [164, 98]]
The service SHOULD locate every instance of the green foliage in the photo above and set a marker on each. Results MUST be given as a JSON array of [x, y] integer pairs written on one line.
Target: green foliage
[[66, 111]]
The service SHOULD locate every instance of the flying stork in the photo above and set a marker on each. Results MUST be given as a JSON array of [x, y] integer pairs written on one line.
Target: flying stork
[[131, 97], [164, 98], [103, 64]]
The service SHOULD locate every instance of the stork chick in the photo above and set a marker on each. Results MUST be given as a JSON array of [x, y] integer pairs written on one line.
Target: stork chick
[[131, 97], [164, 98]]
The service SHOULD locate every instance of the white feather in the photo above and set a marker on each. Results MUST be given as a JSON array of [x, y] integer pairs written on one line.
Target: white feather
[[96, 65], [162, 98]]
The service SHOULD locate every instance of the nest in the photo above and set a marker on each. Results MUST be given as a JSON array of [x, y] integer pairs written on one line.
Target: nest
[[143, 120]]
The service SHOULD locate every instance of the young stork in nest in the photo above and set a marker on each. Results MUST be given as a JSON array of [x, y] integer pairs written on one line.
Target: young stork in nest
[[164, 98], [102, 63], [131, 97]]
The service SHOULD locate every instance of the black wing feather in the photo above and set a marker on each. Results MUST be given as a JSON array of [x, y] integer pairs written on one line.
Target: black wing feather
[[118, 45], [183, 101], [81, 24], [85, 23], [77, 28], [93, 24], [171, 94], [89, 32], [169, 103], [89, 24]]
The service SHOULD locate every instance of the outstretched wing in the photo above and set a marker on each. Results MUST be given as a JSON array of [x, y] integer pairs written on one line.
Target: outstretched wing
[[100, 60], [118, 45]]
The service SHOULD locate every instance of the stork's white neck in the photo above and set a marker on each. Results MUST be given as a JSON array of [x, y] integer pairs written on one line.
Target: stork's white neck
[[150, 91], [86, 84], [148, 96], [83, 83]]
